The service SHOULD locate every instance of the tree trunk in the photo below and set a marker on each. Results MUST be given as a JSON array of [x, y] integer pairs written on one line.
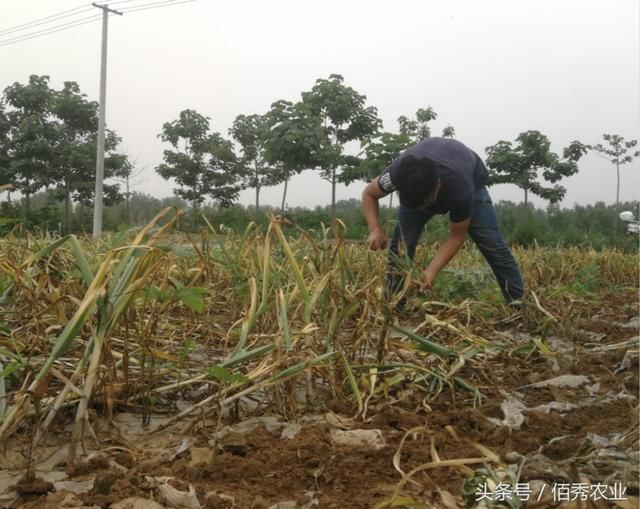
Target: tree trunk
[[80, 218], [256, 176], [333, 194], [195, 214], [391, 201], [526, 199], [27, 204], [284, 195], [127, 203], [67, 209], [27, 201], [618, 187]]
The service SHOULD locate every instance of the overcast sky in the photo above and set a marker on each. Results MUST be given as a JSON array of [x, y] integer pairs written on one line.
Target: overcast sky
[[490, 68]]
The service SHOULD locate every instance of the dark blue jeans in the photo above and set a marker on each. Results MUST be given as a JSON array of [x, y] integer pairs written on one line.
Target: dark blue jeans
[[483, 229]]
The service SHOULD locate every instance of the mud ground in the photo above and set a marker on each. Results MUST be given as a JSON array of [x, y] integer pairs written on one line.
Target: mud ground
[[584, 430]]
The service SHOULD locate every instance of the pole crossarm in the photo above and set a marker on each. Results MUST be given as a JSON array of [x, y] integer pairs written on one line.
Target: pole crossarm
[[105, 7]]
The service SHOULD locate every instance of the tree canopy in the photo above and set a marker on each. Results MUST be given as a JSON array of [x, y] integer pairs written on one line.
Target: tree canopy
[[202, 163], [530, 158], [294, 140], [32, 134], [48, 139], [252, 133], [344, 117], [616, 153], [74, 155]]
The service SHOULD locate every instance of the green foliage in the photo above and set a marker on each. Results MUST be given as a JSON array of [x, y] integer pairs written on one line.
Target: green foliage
[[295, 136], [5, 126], [454, 284], [202, 163], [252, 133], [191, 297], [6, 285], [48, 139], [424, 344], [380, 152], [31, 134], [74, 159], [294, 139], [589, 226], [529, 228], [225, 375], [418, 129], [345, 118], [583, 225], [521, 164], [616, 153], [587, 280], [448, 132], [9, 213]]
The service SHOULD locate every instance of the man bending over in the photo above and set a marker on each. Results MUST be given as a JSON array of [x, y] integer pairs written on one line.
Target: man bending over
[[440, 176]]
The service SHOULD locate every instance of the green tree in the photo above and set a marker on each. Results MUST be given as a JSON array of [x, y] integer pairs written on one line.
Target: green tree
[[381, 151], [142, 207], [140, 210], [5, 126], [203, 164], [448, 132], [345, 118], [74, 156], [32, 135], [252, 133], [294, 141], [616, 153], [521, 164], [418, 128]]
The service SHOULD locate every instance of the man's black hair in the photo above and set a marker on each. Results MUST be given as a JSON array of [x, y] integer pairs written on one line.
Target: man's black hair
[[417, 178]]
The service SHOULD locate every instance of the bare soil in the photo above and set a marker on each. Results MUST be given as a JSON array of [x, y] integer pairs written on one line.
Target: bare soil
[[594, 439]]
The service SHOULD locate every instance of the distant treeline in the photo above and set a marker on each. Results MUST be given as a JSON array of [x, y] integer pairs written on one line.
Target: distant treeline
[[595, 226]]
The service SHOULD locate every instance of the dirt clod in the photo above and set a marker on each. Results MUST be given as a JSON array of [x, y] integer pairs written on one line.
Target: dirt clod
[[30, 484]]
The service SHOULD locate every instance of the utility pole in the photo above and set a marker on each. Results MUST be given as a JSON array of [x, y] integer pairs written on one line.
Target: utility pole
[[97, 202]]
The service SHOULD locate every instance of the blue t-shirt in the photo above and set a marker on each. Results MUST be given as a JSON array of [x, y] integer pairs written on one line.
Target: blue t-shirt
[[460, 169]]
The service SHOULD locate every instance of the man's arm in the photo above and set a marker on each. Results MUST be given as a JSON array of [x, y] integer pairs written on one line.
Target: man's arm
[[370, 208], [448, 249]]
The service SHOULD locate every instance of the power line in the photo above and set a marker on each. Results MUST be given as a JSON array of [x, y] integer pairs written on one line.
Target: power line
[[107, 3], [50, 30], [76, 22], [60, 15], [41, 21], [156, 5], [142, 7]]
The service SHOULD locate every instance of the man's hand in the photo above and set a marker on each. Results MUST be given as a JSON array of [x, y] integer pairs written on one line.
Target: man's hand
[[370, 208], [377, 239], [447, 250], [426, 281]]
